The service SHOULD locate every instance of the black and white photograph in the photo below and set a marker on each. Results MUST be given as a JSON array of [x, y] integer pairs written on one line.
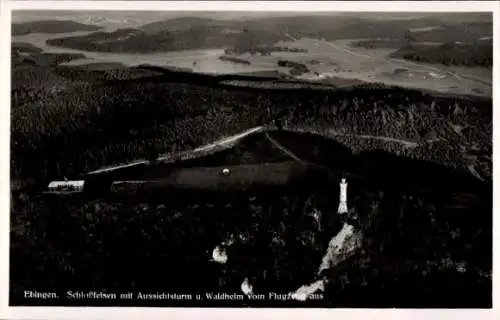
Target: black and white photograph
[[251, 159]]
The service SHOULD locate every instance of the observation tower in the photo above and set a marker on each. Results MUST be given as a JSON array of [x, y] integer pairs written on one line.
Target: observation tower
[[343, 197]]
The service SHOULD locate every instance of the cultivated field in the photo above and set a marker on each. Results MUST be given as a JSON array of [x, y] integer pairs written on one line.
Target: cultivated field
[[324, 59], [337, 59]]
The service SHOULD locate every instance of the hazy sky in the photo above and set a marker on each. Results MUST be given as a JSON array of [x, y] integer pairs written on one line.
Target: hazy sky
[[21, 16], [138, 17]]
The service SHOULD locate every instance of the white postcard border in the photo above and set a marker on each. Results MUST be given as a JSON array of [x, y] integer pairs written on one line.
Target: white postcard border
[[7, 312]]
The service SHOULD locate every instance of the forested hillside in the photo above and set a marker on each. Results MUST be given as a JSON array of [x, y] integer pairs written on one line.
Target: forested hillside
[[476, 54], [249, 35], [71, 127], [51, 26]]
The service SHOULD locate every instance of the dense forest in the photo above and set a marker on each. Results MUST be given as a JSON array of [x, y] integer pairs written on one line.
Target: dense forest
[[193, 38], [234, 60], [51, 26], [379, 44], [476, 54], [40, 60], [62, 127], [262, 49], [412, 249]]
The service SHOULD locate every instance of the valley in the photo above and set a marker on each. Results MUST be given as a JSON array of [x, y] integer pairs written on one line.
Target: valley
[[326, 54]]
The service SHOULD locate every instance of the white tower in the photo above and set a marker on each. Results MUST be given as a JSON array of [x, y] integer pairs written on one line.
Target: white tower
[[343, 197]]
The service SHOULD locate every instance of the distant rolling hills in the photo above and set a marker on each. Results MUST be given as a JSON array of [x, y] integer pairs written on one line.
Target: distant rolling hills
[[191, 33], [467, 44], [196, 37], [51, 26]]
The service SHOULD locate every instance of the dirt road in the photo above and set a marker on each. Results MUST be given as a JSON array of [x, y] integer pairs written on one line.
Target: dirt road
[[228, 142], [332, 132], [406, 143], [220, 144]]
